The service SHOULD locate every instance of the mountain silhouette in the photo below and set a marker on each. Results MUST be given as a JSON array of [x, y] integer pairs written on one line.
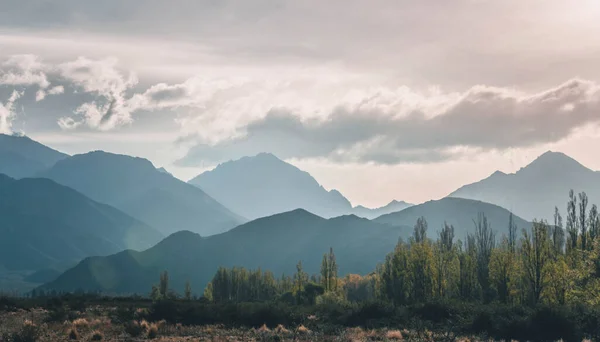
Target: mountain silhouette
[[274, 243], [264, 185], [136, 187], [458, 212], [534, 190], [392, 207], [44, 224], [22, 157]]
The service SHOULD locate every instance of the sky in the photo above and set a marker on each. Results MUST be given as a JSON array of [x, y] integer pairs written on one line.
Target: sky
[[381, 99]]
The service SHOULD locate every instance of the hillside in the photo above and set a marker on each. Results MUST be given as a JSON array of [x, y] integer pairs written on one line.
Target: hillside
[[455, 211], [44, 224], [22, 157], [275, 243], [534, 190], [136, 187]]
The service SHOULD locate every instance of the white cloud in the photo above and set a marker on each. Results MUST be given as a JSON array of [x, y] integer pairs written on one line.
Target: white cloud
[[7, 112], [103, 79], [24, 70], [57, 90]]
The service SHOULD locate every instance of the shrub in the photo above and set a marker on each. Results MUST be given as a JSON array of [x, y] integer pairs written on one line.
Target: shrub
[[97, 336], [81, 323], [134, 328], [29, 332], [393, 335], [280, 329], [303, 330], [73, 333], [152, 331]]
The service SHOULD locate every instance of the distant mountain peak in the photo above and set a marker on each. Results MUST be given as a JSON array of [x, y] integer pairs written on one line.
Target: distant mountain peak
[[536, 188], [267, 155], [554, 160], [262, 185], [106, 158], [498, 173]]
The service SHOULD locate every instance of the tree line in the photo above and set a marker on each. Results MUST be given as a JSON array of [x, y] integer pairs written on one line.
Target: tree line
[[547, 263]]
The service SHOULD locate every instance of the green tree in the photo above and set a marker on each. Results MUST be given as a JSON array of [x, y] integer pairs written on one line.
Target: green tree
[[512, 233], [583, 223], [502, 269], [572, 228], [187, 292], [535, 252], [325, 273], [395, 275], [208, 292], [163, 286], [333, 271], [593, 224], [468, 284], [485, 242], [300, 278], [421, 263], [558, 234], [445, 257]]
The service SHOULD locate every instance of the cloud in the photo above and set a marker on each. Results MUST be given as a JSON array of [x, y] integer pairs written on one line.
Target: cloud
[[41, 94], [483, 118], [24, 70], [311, 115], [103, 79], [7, 112]]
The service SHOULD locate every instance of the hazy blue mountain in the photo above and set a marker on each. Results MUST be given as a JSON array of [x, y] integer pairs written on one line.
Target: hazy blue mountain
[[455, 211], [264, 185], [22, 157], [392, 207], [44, 224], [275, 243], [534, 191], [136, 187]]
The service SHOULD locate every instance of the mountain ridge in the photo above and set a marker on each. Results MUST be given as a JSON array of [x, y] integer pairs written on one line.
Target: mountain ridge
[[534, 190], [276, 243], [135, 186], [270, 185], [21, 156], [45, 224]]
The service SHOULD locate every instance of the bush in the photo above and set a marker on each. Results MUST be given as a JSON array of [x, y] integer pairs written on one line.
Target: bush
[[29, 332], [554, 324], [73, 333], [152, 331], [134, 329], [97, 336]]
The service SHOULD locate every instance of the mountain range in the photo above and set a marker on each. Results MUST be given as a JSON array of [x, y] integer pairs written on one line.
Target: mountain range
[[264, 185], [275, 243], [534, 190], [458, 212], [45, 225], [106, 213], [136, 187], [22, 157]]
